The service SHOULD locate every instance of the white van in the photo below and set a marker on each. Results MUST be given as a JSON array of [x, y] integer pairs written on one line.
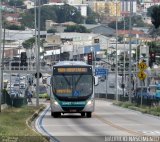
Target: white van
[[111, 85]]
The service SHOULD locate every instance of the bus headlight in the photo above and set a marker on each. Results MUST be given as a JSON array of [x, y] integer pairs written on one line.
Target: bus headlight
[[55, 103], [90, 102]]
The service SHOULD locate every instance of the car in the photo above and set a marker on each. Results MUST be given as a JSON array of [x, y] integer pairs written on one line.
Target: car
[[17, 79], [16, 86], [102, 78], [15, 94], [145, 93], [22, 86], [43, 91]]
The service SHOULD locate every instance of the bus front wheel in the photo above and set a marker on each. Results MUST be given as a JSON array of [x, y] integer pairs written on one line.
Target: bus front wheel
[[82, 114], [89, 114], [56, 114]]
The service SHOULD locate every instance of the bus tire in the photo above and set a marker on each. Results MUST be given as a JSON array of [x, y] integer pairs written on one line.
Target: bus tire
[[83, 114], [56, 114], [89, 114], [52, 113]]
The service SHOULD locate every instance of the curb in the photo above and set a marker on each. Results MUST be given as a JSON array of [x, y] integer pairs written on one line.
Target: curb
[[30, 119]]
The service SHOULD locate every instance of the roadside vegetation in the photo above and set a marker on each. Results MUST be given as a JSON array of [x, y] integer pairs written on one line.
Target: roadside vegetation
[[13, 125], [59, 14], [153, 110]]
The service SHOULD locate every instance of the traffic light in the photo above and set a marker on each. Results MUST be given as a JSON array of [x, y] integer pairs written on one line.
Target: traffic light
[[23, 59], [90, 58], [152, 58]]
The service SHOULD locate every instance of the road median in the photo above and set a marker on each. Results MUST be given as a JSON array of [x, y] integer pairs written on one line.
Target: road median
[[15, 124]]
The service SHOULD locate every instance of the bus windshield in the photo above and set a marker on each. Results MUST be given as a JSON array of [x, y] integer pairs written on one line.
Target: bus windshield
[[72, 86]]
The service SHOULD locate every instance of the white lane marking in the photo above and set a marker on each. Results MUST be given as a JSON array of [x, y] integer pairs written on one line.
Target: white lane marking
[[68, 125], [155, 133]]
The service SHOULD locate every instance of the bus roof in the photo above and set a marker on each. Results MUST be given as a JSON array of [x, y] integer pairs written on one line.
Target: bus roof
[[71, 63]]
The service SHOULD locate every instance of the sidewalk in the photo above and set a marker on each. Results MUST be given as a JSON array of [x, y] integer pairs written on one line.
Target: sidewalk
[[41, 101], [3, 106]]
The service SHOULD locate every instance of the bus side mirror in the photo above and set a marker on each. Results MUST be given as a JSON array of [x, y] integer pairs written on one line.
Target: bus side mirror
[[96, 82]]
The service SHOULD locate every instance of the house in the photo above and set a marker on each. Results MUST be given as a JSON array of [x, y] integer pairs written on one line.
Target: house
[[29, 4], [13, 18], [103, 30]]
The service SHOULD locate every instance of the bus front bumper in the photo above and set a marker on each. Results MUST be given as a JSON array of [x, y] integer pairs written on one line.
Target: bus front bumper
[[89, 107]]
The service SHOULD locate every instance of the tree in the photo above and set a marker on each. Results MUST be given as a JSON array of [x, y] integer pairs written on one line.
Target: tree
[[154, 32], [136, 21], [15, 27], [155, 16], [76, 28], [51, 31], [68, 13], [16, 3], [28, 44], [149, 10], [91, 16], [55, 13]]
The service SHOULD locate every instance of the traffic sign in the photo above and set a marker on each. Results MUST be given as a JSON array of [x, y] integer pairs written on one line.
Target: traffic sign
[[142, 75], [40, 75], [142, 66], [101, 72]]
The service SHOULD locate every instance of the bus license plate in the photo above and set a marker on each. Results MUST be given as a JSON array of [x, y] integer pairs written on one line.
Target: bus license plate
[[73, 110]]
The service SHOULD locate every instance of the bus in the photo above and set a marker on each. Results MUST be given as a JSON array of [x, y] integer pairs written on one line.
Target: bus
[[72, 89]]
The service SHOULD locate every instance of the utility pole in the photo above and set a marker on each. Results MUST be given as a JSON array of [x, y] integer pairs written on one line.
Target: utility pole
[[0, 50], [4, 33], [37, 50], [130, 47], [124, 58], [116, 78]]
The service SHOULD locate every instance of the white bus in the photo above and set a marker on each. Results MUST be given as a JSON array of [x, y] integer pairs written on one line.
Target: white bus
[[72, 89]]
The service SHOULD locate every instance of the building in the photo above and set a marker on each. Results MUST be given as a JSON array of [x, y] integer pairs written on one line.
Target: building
[[29, 4], [104, 30], [149, 3], [125, 7], [13, 41], [52, 48], [13, 18], [81, 7], [78, 45], [114, 8]]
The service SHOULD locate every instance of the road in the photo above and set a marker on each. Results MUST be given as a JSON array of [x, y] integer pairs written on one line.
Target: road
[[107, 120]]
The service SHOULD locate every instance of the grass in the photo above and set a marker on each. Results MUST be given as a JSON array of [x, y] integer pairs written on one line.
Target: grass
[[13, 124], [154, 110]]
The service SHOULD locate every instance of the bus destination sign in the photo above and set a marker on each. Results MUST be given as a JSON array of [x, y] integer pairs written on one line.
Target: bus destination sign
[[72, 70]]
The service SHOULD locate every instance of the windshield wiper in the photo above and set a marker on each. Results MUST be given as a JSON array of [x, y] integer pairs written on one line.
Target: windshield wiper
[[78, 80], [66, 80]]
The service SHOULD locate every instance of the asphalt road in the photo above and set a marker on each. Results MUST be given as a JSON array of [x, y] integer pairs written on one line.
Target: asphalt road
[[107, 120]]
